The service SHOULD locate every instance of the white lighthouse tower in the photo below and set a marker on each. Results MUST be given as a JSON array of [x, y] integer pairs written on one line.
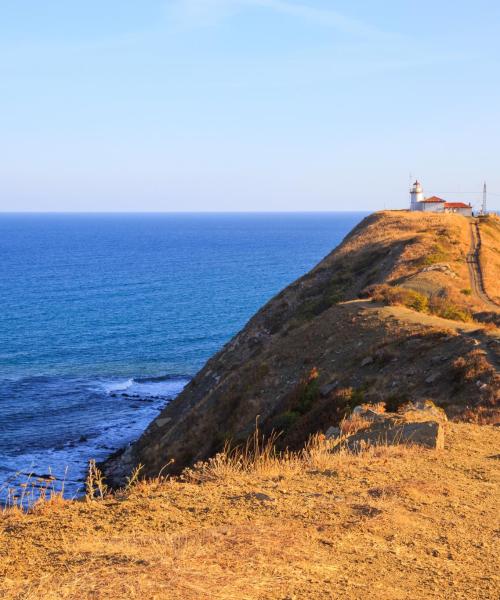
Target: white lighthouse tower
[[416, 196]]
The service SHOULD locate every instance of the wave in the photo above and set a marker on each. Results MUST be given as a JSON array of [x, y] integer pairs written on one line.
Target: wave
[[117, 386], [165, 386]]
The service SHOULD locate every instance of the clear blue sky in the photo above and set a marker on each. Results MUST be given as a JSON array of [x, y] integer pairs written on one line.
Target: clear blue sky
[[246, 104]]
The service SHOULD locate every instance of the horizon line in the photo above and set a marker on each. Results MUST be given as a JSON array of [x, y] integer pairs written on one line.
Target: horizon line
[[180, 212]]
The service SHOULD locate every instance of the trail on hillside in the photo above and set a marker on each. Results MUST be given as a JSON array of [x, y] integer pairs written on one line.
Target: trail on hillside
[[488, 341], [475, 270]]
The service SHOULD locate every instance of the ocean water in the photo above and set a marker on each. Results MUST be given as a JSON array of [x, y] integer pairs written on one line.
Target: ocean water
[[104, 318]]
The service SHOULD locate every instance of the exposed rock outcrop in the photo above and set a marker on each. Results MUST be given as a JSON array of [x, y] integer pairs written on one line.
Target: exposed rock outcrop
[[419, 423]]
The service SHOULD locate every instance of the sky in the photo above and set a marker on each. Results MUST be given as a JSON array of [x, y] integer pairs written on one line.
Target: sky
[[246, 105]]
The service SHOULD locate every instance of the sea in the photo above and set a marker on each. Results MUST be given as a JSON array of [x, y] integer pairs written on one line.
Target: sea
[[104, 318]]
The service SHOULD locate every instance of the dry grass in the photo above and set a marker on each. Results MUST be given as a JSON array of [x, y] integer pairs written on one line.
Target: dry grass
[[390, 523], [490, 255], [259, 457], [433, 304], [353, 424]]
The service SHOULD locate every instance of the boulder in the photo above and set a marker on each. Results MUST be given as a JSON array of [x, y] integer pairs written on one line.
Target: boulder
[[432, 378], [392, 431], [327, 389], [418, 423], [441, 268], [332, 433]]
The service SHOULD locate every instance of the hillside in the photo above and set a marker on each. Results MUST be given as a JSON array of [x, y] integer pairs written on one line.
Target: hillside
[[390, 315], [490, 255], [392, 524]]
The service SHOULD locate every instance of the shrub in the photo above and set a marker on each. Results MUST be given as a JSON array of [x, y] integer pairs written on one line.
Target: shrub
[[471, 367], [417, 301], [397, 295], [437, 255], [309, 391], [284, 421], [442, 307]]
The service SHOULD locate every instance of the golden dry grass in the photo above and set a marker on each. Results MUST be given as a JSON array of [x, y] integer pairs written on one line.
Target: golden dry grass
[[490, 255], [391, 523]]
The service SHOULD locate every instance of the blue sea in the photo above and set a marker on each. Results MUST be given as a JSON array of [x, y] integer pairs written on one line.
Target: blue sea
[[104, 319]]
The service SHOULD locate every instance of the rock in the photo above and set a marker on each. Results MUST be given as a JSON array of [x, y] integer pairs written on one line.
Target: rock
[[162, 422], [259, 496], [435, 360], [392, 431], [332, 433], [370, 412], [442, 268], [327, 389], [432, 378], [367, 361]]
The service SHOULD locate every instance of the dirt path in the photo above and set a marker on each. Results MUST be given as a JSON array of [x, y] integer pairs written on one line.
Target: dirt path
[[487, 340], [475, 271]]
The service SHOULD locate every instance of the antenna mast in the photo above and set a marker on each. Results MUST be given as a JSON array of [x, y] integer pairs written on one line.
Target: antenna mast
[[484, 210]]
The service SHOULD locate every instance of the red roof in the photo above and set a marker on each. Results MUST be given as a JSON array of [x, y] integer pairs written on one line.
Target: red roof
[[433, 200], [457, 205]]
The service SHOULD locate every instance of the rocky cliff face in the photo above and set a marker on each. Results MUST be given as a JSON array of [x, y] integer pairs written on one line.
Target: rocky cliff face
[[387, 317]]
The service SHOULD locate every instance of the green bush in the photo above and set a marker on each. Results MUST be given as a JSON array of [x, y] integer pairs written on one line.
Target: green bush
[[309, 394], [284, 421], [416, 301]]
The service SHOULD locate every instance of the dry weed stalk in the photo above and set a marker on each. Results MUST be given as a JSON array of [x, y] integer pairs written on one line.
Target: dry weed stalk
[[133, 479], [94, 484], [30, 493]]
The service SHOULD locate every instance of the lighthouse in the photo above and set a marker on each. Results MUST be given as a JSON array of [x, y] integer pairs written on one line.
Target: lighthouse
[[416, 196]]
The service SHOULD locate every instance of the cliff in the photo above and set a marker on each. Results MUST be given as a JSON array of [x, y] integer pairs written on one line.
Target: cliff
[[389, 316]]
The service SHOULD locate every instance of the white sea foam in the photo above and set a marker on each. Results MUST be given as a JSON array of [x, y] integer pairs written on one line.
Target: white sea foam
[[117, 385], [68, 462], [146, 388]]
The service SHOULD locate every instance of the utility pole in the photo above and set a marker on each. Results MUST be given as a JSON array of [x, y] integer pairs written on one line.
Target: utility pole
[[484, 209]]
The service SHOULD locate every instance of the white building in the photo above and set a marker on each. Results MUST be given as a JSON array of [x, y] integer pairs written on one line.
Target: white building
[[459, 208], [434, 204]]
